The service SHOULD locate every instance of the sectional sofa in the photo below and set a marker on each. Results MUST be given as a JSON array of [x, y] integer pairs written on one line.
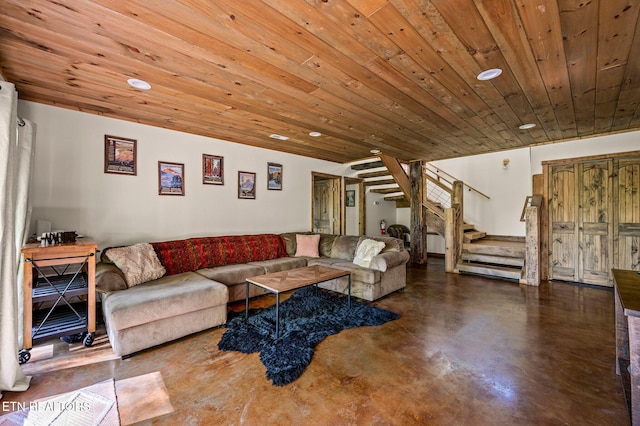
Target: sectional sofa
[[199, 276]]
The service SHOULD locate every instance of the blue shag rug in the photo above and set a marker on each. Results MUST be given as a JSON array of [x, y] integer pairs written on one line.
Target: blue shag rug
[[306, 318]]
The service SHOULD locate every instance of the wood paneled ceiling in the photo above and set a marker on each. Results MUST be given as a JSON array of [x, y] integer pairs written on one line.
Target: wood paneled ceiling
[[394, 75]]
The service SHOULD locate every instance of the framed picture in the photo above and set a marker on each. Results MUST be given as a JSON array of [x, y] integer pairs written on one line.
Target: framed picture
[[274, 176], [351, 198], [170, 178], [247, 185], [212, 169], [119, 155]]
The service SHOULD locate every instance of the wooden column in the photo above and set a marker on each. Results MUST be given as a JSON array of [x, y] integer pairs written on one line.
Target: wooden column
[[418, 215], [453, 237], [532, 246]]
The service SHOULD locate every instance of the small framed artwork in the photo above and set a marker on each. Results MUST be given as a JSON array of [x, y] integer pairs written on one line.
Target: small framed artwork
[[351, 198], [274, 176], [170, 178], [247, 185], [119, 155], [212, 169]]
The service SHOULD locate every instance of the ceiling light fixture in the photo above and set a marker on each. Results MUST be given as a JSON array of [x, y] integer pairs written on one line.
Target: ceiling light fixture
[[489, 74], [280, 137], [527, 126], [139, 84], [375, 151], [315, 134]]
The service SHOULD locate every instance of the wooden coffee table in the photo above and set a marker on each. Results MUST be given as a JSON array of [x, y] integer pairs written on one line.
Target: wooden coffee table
[[279, 282]]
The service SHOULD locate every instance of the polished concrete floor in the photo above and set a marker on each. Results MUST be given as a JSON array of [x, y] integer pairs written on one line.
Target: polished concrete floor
[[466, 350]]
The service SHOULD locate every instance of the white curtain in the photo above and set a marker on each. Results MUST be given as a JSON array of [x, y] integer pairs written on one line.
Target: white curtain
[[15, 173]]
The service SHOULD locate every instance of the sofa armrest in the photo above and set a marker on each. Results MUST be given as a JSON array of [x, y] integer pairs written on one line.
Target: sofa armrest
[[109, 278], [388, 260]]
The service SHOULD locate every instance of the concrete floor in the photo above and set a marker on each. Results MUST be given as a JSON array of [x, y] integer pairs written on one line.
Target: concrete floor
[[466, 350]]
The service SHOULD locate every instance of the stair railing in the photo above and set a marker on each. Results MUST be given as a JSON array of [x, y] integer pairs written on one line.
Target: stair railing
[[440, 176]]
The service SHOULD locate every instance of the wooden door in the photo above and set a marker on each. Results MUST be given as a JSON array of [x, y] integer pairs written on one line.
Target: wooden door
[[627, 229], [563, 239], [326, 206], [595, 222]]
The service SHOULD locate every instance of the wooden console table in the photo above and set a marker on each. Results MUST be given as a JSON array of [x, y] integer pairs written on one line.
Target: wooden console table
[[627, 295]]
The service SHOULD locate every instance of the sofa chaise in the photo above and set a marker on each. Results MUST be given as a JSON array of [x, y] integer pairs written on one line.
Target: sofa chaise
[[196, 278]]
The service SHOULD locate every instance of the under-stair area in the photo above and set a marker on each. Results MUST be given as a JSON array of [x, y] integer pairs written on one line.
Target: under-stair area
[[477, 253]]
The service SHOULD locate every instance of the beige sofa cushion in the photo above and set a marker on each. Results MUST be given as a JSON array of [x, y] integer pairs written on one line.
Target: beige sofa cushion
[[165, 297], [281, 264], [232, 274], [344, 247]]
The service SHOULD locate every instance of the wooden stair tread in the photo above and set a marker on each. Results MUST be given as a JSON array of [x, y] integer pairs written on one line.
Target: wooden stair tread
[[386, 190], [490, 270], [395, 198], [474, 235], [468, 227], [367, 166], [380, 182], [511, 249], [495, 260], [374, 174]]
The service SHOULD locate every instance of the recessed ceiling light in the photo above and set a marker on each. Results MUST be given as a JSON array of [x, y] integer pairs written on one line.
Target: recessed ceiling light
[[527, 126], [375, 151], [280, 137], [489, 74], [315, 134], [139, 84]]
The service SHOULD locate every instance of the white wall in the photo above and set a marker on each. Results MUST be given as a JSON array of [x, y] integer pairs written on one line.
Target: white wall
[[378, 209], [71, 190], [508, 187], [352, 217], [622, 142]]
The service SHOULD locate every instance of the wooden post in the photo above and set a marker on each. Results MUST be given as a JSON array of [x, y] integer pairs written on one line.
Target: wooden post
[[418, 215], [452, 239], [532, 245]]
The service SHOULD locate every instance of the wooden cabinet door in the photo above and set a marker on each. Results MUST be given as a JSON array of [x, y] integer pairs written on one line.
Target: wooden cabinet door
[[627, 229], [563, 241], [595, 222]]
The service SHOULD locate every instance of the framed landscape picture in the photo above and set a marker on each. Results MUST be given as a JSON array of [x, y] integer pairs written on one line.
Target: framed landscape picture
[[247, 185], [170, 178], [119, 155], [351, 198], [274, 176], [212, 169]]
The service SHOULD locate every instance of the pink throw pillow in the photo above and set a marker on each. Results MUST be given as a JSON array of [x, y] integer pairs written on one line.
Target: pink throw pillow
[[307, 245]]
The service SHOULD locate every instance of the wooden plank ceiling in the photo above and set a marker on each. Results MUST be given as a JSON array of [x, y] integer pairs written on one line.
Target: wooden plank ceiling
[[394, 75]]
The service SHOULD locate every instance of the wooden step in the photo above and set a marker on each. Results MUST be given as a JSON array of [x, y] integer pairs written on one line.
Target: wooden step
[[495, 248], [374, 174], [491, 271], [495, 260], [395, 198], [474, 235], [379, 182], [367, 166], [468, 227], [386, 190]]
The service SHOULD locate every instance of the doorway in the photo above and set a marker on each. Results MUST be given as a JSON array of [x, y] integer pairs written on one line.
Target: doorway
[[326, 196]]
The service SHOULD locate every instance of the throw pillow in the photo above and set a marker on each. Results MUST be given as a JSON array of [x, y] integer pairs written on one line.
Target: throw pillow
[[307, 245], [366, 251], [139, 263]]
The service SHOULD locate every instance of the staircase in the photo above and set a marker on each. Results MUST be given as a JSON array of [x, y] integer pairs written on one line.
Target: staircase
[[493, 256], [379, 180], [497, 257]]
